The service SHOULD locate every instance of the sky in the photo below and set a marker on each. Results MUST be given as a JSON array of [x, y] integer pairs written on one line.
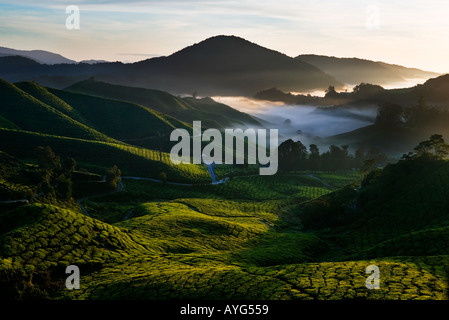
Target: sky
[[411, 33]]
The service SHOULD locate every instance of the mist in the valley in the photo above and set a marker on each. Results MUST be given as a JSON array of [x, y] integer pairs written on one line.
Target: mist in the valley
[[302, 122]]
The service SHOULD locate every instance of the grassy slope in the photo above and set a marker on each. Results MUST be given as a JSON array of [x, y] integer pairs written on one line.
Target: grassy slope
[[31, 114], [15, 179], [131, 160], [211, 113], [190, 248], [120, 119], [50, 99]]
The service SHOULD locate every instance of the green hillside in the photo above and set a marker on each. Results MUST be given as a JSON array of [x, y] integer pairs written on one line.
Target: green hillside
[[211, 113], [398, 211], [50, 99], [164, 232], [119, 119], [210, 247], [21, 110], [133, 161]]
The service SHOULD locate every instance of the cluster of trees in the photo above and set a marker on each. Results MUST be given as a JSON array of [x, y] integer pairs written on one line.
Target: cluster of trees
[[361, 91], [113, 177], [57, 175], [295, 156], [394, 115], [434, 148]]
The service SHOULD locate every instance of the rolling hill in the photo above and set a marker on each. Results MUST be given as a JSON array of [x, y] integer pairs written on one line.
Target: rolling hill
[[188, 109], [89, 128], [24, 111], [99, 155], [206, 243], [120, 119]]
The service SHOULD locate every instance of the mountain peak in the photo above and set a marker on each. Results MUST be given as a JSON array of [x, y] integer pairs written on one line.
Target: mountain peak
[[219, 45]]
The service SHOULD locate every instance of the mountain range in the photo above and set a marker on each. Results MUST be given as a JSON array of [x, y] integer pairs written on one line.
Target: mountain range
[[40, 56], [354, 71], [220, 65]]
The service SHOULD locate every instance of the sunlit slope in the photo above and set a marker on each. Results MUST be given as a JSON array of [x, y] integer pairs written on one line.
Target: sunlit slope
[[15, 179], [120, 119], [204, 257], [131, 160], [211, 113], [21, 110], [50, 99]]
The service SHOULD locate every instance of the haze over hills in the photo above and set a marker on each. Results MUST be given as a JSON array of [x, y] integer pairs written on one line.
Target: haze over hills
[[234, 66], [434, 91], [220, 65], [353, 71]]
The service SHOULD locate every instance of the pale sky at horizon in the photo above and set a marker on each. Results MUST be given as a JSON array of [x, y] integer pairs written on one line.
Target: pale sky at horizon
[[410, 33]]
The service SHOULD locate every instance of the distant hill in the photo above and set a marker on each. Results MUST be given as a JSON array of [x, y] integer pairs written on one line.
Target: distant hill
[[353, 71], [16, 68], [93, 61], [434, 91], [220, 65], [229, 65], [40, 56]]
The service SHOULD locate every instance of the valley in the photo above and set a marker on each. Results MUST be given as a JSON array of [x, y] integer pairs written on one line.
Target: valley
[[87, 178]]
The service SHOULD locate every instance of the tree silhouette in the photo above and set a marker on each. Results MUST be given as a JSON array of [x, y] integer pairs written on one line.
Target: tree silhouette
[[292, 155], [113, 177], [434, 149], [314, 157], [389, 115]]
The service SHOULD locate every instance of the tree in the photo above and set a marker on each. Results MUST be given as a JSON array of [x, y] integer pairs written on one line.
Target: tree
[[113, 177], [390, 115], [292, 155], [339, 157], [364, 90], [47, 159], [331, 92], [376, 154], [368, 159], [433, 149], [368, 165], [314, 158]]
